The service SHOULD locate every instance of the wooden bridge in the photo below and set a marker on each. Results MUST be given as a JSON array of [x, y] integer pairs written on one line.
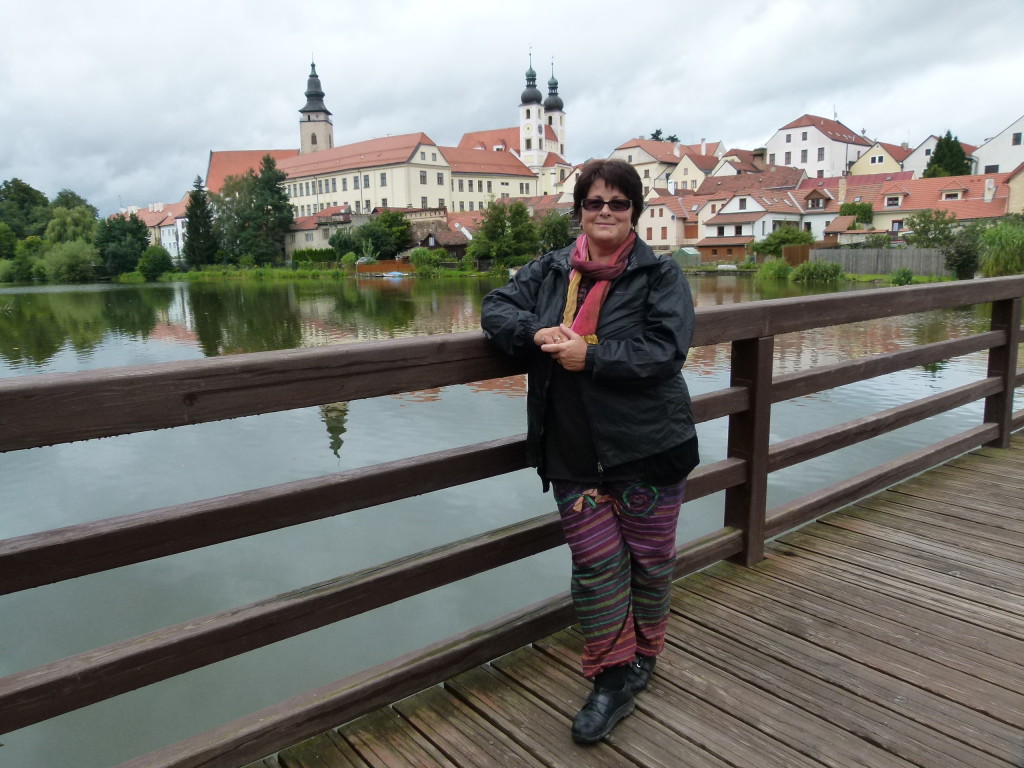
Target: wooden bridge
[[889, 633]]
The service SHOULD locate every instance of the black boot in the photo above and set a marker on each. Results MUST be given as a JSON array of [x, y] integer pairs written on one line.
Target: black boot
[[640, 671], [604, 708]]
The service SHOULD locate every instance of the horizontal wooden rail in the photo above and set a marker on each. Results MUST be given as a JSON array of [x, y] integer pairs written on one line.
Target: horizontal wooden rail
[[253, 736], [32, 695]]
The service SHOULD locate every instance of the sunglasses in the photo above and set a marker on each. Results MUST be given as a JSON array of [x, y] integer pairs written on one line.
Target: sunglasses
[[594, 204]]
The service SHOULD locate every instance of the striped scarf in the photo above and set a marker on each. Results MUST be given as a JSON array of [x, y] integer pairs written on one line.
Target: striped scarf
[[585, 322]]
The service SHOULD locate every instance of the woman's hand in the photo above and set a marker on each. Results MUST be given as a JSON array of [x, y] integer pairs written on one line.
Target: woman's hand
[[548, 336], [567, 347]]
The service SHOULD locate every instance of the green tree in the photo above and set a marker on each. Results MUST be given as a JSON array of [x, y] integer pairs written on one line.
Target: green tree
[[266, 222], [8, 241], [506, 236], [1002, 247], [426, 261], [555, 231], [960, 254], [948, 158], [772, 244], [72, 262], [68, 224], [68, 199], [200, 236], [23, 208], [930, 228], [120, 240], [154, 261], [673, 138], [344, 241], [863, 211], [236, 196], [387, 234]]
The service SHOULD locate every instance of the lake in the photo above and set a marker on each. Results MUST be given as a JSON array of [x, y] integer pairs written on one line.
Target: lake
[[61, 329]]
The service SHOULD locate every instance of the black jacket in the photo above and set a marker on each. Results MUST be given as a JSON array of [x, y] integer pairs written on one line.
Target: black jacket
[[632, 387]]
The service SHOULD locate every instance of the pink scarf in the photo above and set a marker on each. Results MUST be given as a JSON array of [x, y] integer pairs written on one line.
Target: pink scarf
[[585, 321]]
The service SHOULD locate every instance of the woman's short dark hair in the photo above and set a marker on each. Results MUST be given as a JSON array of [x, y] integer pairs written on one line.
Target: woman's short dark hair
[[615, 173]]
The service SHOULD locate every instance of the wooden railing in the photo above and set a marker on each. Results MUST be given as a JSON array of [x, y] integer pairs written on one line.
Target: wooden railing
[[57, 408]]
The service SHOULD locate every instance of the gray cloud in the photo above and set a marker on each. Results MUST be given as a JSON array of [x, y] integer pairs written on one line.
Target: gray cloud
[[124, 104]]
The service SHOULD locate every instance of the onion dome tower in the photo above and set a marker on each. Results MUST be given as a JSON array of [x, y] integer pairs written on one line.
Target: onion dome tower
[[531, 122], [554, 115], [316, 131]]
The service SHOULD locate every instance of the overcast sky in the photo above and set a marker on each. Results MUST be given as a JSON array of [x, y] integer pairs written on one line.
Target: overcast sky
[[122, 102]]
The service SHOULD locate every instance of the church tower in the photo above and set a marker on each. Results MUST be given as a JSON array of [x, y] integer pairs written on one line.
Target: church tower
[[531, 123], [554, 116], [316, 131]]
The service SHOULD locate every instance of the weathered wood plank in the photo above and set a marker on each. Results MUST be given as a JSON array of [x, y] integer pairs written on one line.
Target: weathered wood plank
[[384, 739], [942, 518], [954, 508], [320, 751]]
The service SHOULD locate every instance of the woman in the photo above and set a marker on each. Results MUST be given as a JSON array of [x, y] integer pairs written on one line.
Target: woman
[[605, 325]]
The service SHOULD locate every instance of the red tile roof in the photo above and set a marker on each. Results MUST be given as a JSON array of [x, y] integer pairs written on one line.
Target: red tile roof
[[897, 152], [783, 177], [662, 151], [716, 241], [311, 222], [832, 128], [390, 150], [507, 137], [680, 206], [471, 220], [479, 161], [554, 159], [921, 194], [840, 224], [736, 218], [238, 162], [831, 182]]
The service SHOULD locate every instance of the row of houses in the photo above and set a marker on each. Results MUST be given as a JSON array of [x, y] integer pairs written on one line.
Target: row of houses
[[704, 195]]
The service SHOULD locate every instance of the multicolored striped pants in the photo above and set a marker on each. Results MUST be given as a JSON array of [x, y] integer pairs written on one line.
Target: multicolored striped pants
[[622, 536]]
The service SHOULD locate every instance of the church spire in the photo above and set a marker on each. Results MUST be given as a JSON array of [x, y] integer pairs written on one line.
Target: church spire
[[314, 94], [315, 129]]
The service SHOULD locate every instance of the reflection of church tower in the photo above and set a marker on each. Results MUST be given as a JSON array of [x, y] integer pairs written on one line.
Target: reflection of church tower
[[531, 122], [554, 115], [316, 131]]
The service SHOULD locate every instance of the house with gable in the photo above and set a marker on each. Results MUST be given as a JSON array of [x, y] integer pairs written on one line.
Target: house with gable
[[1004, 151], [881, 158], [918, 159], [819, 146], [666, 223], [165, 224], [692, 169]]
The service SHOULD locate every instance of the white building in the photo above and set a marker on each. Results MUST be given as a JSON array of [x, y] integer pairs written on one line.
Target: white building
[[1004, 151], [819, 146]]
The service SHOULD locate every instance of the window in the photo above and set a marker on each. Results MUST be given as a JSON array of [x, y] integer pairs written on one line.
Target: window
[[650, 233], [693, 184], [821, 174], [433, 156], [423, 202], [664, 233], [651, 212], [309, 237], [460, 185], [355, 182], [789, 138], [488, 186], [344, 184], [383, 179], [788, 158], [951, 196], [366, 181], [892, 202], [357, 206], [1015, 139], [897, 225], [440, 179], [807, 226], [368, 206], [423, 155], [320, 186], [714, 251], [647, 173], [821, 154], [383, 202], [307, 187], [440, 202], [742, 203], [721, 231], [815, 202], [803, 136], [686, 171], [462, 205], [771, 159], [312, 139], [992, 168], [714, 207], [927, 152], [661, 213], [529, 143], [527, 113], [803, 155], [423, 177], [737, 230], [334, 184], [629, 158], [470, 185], [471, 205]]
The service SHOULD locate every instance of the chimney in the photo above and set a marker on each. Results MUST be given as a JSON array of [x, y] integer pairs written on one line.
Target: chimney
[[675, 150], [904, 145], [842, 190], [757, 158], [990, 190], [703, 146]]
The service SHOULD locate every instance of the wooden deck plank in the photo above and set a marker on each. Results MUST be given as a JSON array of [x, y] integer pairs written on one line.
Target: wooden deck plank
[[888, 634]]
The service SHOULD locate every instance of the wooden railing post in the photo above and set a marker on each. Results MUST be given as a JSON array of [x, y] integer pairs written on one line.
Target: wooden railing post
[[748, 440], [1002, 362]]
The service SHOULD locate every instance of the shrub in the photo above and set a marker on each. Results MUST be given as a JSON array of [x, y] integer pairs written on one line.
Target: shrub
[[73, 262], [315, 255], [817, 272], [349, 260], [154, 261], [426, 261], [877, 240], [901, 276], [773, 269]]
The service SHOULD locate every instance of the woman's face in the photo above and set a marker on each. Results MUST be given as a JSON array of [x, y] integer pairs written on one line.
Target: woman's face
[[606, 229]]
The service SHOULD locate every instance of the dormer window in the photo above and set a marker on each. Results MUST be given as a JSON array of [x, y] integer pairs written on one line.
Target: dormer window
[[953, 195], [815, 202], [892, 201], [743, 203]]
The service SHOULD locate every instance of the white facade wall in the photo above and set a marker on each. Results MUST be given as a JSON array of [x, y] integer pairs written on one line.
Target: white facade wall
[[1003, 152], [808, 148]]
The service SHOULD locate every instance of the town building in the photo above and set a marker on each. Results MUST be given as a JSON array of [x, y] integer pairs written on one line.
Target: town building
[[918, 159], [819, 146], [1004, 151], [881, 158]]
